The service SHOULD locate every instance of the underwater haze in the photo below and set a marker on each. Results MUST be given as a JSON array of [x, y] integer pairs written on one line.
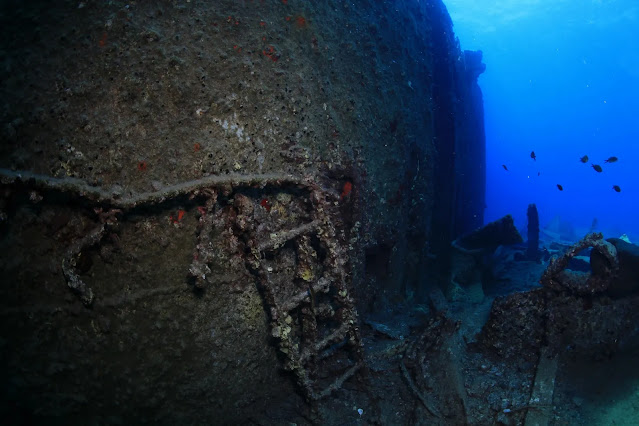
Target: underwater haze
[[562, 81]]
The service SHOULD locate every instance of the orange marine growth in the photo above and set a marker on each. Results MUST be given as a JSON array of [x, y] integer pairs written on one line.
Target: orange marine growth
[[270, 52], [180, 216], [103, 40], [264, 203], [348, 187]]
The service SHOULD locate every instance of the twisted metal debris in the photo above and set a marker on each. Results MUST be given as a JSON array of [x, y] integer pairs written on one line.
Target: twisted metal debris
[[313, 316], [557, 278]]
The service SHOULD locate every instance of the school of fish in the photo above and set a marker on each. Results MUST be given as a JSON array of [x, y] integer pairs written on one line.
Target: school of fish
[[584, 160]]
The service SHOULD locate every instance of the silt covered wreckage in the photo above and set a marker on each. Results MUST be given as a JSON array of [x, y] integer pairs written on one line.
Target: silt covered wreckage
[[258, 212]]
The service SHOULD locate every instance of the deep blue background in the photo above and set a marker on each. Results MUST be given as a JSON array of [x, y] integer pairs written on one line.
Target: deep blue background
[[562, 79]]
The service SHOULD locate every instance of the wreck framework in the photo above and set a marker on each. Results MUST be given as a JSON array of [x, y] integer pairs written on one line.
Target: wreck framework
[[313, 318]]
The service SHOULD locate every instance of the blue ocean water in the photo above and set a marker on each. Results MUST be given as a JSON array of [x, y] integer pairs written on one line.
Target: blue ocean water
[[562, 80]]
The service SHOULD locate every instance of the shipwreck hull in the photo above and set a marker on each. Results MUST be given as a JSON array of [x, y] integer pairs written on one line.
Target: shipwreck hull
[[230, 122]]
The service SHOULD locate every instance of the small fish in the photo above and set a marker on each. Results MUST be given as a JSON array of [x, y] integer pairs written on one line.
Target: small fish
[[533, 156], [584, 159], [559, 187], [611, 160], [504, 166], [538, 173], [616, 188], [597, 168]]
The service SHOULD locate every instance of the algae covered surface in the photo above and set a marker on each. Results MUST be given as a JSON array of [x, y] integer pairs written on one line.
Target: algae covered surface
[[241, 212], [129, 98]]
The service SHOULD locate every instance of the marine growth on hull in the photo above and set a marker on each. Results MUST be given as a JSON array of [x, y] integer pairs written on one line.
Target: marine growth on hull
[[272, 212]]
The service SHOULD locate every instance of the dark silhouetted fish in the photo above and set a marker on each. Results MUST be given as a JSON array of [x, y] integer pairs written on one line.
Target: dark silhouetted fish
[[504, 166], [533, 156], [611, 160], [616, 188], [584, 159], [597, 168], [559, 187]]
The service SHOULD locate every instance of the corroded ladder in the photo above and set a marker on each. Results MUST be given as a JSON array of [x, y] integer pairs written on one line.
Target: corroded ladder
[[317, 328]]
